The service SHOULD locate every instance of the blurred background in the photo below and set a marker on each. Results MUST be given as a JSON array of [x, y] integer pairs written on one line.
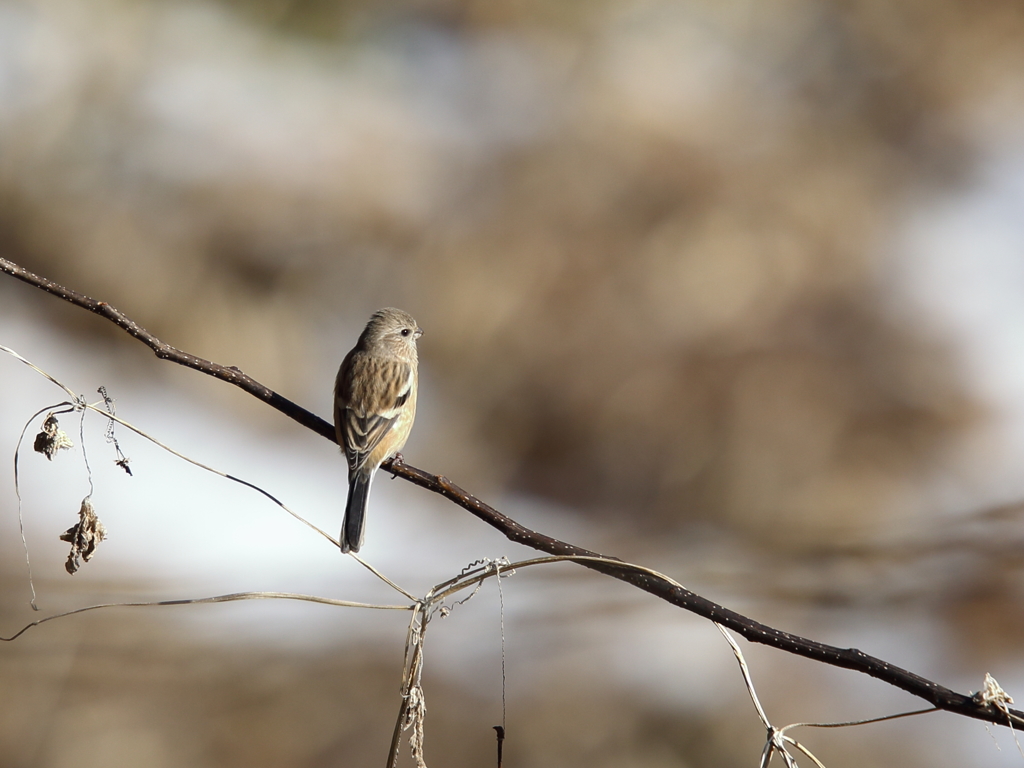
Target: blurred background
[[734, 290]]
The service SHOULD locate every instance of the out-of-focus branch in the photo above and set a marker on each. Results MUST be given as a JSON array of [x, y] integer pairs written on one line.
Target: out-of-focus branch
[[847, 658]]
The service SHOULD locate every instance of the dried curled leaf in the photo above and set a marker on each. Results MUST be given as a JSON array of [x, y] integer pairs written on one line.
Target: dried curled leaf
[[51, 439], [83, 536]]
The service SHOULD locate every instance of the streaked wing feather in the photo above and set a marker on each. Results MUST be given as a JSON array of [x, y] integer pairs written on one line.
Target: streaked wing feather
[[390, 383], [363, 435]]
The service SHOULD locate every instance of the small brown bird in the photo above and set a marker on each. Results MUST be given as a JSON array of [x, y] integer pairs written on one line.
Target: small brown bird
[[374, 407]]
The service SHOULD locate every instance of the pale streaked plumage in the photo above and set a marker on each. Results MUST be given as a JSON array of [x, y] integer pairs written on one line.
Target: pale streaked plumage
[[374, 407]]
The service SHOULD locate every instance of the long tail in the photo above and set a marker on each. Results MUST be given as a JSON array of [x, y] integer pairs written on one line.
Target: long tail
[[354, 527]]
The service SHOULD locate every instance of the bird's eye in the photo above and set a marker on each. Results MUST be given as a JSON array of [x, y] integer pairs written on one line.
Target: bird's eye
[[406, 331]]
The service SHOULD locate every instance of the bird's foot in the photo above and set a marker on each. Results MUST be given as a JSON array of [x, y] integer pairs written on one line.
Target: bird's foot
[[396, 461]]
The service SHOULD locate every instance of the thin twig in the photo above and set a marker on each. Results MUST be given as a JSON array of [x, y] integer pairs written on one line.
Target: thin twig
[[215, 599]]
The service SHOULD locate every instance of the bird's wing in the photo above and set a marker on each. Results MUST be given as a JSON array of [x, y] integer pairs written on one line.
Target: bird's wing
[[371, 414]]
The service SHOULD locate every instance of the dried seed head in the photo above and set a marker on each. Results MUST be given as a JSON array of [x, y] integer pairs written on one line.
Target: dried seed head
[[52, 438], [83, 536]]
